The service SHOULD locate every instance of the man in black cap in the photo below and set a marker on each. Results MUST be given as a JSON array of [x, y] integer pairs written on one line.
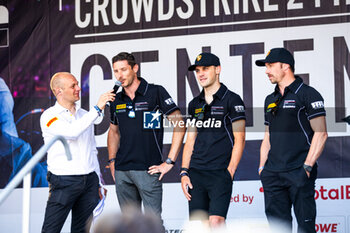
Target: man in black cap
[[214, 145], [295, 136]]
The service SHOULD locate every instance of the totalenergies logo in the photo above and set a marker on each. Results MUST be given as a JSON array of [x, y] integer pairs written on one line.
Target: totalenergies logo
[[341, 193], [327, 227]]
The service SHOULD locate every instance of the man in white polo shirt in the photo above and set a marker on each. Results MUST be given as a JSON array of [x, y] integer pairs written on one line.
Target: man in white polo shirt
[[73, 184]]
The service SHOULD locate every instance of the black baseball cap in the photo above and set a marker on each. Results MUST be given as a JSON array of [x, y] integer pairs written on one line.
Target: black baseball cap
[[277, 55], [205, 59]]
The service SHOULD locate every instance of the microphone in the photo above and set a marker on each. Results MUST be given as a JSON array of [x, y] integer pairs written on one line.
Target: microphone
[[117, 84]]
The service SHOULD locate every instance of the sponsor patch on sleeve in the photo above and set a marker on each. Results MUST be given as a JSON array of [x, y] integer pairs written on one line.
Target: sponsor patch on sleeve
[[169, 101], [51, 121], [317, 105], [239, 108]]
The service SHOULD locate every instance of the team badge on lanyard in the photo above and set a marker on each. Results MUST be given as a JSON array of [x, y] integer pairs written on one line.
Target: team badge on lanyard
[[131, 113]]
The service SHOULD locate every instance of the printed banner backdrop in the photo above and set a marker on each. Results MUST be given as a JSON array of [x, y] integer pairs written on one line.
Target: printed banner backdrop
[[39, 38]]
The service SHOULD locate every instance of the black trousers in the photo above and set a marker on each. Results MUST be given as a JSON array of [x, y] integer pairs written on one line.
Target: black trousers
[[282, 190], [78, 193]]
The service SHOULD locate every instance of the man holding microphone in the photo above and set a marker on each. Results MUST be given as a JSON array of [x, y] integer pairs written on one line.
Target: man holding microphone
[[74, 184]]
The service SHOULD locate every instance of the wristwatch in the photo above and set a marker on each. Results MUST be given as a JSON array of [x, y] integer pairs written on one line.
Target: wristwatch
[[111, 160], [307, 168], [169, 161]]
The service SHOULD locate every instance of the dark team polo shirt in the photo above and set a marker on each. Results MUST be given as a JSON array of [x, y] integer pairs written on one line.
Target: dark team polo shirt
[[213, 145], [140, 148], [288, 118]]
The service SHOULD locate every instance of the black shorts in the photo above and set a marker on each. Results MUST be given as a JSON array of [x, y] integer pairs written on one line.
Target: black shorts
[[211, 192]]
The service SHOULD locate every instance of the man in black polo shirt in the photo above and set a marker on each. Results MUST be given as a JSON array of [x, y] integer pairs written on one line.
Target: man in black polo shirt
[[135, 137], [294, 138], [214, 145]]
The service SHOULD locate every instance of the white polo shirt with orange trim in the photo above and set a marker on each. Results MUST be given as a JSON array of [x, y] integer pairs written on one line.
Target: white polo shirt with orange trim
[[78, 130]]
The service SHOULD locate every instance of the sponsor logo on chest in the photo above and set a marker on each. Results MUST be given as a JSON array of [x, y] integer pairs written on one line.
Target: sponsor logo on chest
[[139, 106], [289, 104], [217, 110]]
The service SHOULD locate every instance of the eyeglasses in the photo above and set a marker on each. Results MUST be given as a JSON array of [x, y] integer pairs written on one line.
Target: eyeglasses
[[204, 110], [131, 113]]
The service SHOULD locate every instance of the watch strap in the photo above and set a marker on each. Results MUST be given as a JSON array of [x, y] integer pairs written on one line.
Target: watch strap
[[307, 168], [169, 161]]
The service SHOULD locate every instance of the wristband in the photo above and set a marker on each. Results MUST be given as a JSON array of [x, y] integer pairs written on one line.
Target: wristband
[[111, 160], [184, 169], [99, 111], [184, 174], [260, 168]]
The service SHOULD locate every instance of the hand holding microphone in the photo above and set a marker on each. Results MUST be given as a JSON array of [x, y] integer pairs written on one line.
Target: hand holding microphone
[[117, 84], [108, 97]]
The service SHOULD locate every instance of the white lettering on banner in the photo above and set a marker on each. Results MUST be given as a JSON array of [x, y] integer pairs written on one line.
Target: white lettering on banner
[[336, 2], [4, 28], [224, 5], [165, 16], [292, 5], [100, 9], [81, 23], [184, 9], [147, 9], [4, 15], [185, 14], [115, 18], [268, 7]]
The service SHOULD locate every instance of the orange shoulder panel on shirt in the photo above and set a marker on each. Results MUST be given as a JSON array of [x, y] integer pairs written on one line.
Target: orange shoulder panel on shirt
[[51, 121]]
